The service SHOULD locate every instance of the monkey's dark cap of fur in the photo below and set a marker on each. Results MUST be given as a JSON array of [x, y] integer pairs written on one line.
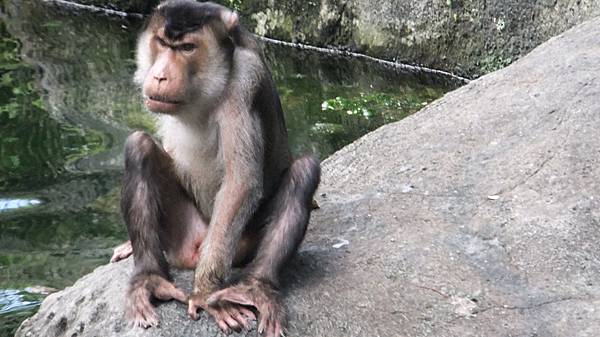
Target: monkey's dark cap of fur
[[184, 16]]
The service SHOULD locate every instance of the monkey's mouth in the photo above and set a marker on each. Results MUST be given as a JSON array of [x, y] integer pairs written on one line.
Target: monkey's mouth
[[159, 103], [164, 99]]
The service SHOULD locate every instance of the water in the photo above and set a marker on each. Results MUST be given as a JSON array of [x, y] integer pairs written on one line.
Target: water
[[67, 103]]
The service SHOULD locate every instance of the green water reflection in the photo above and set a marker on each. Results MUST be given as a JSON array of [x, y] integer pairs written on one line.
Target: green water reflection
[[67, 103]]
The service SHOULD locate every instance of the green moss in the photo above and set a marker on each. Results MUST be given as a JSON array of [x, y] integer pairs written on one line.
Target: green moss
[[374, 37], [235, 4], [494, 62], [273, 22]]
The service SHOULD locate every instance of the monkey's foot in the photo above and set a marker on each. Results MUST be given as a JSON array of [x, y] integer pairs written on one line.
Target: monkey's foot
[[121, 252], [139, 311], [260, 295], [229, 316]]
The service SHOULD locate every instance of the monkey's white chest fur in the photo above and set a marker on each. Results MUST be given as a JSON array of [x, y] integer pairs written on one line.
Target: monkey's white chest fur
[[198, 161]]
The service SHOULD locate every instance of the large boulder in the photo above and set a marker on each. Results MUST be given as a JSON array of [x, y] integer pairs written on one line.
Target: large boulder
[[478, 216]]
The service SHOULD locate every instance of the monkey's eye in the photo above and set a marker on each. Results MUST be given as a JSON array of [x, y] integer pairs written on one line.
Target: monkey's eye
[[187, 47], [161, 42]]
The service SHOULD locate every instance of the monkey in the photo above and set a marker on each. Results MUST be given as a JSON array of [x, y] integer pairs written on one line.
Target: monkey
[[219, 188]]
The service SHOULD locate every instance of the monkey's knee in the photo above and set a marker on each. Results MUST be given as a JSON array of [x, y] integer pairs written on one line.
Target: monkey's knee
[[139, 143], [140, 147], [305, 175]]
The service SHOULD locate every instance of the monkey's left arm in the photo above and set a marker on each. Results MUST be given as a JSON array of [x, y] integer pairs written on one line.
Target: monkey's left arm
[[237, 199]]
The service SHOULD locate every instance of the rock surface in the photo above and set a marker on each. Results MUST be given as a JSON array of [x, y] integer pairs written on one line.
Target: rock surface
[[478, 216]]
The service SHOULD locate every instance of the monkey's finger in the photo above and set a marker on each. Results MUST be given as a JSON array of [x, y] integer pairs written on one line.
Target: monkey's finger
[[272, 330], [220, 317], [231, 322], [224, 327], [241, 319], [247, 312], [264, 324], [229, 295], [260, 328], [224, 320], [277, 330], [193, 310]]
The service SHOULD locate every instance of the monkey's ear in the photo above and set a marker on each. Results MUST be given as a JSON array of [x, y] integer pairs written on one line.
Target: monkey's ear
[[231, 20]]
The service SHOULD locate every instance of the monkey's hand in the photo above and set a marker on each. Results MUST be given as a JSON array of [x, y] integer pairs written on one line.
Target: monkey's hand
[[228, 316], [260, 295]]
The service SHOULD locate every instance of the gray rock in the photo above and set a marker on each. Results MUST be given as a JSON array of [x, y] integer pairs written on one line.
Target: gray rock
[[442, 259]]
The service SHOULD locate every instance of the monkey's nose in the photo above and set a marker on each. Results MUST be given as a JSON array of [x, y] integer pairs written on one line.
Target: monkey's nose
[[160, 78]]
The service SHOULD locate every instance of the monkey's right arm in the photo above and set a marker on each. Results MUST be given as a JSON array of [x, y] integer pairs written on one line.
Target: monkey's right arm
[[236, 201]]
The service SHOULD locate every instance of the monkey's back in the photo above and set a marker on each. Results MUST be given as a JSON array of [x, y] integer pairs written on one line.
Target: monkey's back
[[277, 151]]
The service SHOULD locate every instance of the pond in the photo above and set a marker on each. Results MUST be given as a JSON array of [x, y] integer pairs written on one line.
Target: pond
[[67, 103]]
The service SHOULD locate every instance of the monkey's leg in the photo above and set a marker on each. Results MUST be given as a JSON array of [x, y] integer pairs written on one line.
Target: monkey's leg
[[156, 211], [288, 214], [161, 217]]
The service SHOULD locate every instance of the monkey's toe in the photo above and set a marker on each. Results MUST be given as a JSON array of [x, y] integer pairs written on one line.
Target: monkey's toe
[[145, 323], [272, 324], [139, 309], [165, 291], [143, 316], [121, 252]]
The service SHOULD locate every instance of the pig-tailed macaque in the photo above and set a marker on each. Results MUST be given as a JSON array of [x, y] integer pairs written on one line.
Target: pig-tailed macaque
[[222, 190]]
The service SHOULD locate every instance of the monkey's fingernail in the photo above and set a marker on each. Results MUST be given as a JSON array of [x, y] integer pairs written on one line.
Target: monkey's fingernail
[[225, 329]]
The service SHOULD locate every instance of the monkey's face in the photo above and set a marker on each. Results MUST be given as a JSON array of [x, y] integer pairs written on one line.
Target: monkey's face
[[183, 68]]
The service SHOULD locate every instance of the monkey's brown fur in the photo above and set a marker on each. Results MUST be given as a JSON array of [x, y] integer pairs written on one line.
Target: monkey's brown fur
[[222, 189]]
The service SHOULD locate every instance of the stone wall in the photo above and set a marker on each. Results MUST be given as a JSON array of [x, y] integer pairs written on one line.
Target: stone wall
[[466, 37], [469, 38]]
